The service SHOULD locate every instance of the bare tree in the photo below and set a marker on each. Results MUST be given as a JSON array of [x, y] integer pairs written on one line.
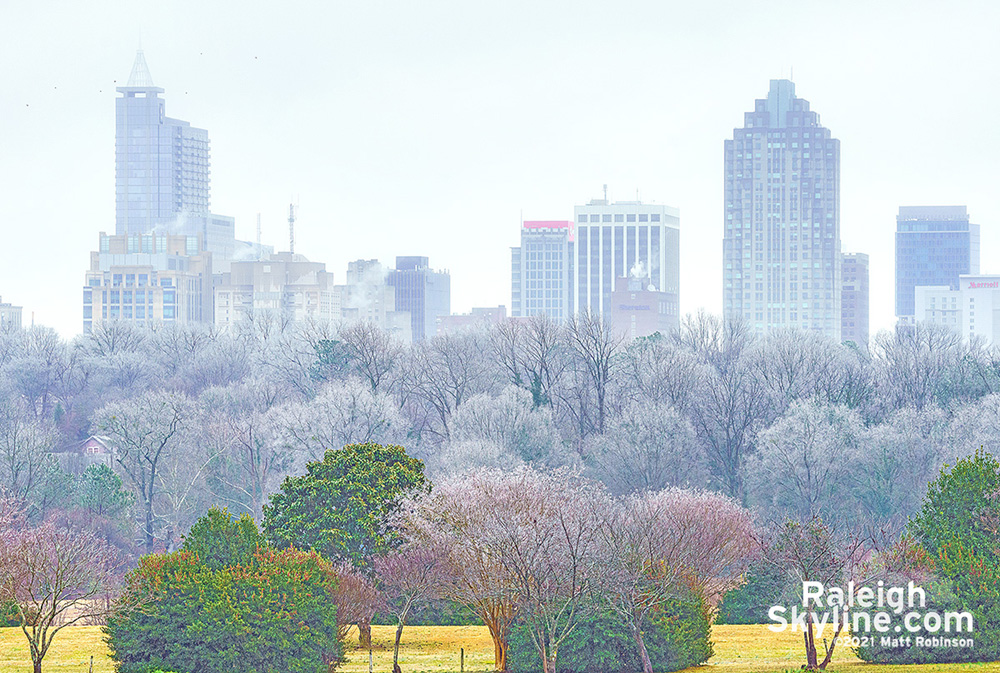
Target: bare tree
[[894, 463], [409, 576], [814, 551], [657, 369], [665, 545], [544, 532], [239, 429], [441, 374], [458, 515], [918, 365], [795, 365], [56, 577], [649, 447], [25, 446], [40, 371], [804, 461], [510, 420], [532, 354], [109, 337], [343, 412], [732, 404], [372, 351], [732, 401], [357, 599], [598, 349], [144, 432]]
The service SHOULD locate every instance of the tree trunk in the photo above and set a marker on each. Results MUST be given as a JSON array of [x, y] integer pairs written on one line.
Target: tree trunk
[[647, 665], [497, 625], [36, 665], [149, 528], [549, 660], [829, 648], [395, 650], [499, 654], [365, 635], [811, 662]]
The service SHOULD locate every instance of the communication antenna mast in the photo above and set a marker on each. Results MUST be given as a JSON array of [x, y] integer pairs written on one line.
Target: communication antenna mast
[[258, 236], [291, 228], [605, 193]]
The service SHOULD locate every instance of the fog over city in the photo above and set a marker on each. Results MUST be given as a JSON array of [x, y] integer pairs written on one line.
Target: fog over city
[[525, 337], [432, 128]]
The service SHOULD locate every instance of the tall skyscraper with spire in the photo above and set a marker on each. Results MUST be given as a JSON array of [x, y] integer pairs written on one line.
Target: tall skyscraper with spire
[[162, 169], [781, 242]]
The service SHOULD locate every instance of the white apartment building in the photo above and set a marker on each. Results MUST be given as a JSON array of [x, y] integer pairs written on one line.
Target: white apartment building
[[614, 240], [971, 310]]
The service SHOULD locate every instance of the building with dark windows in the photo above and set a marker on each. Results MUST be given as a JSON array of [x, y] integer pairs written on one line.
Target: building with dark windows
[[781, 243], [622, 239], [147, 278], [541, 270], [163, 171], [425, 293], [854, 297], [934, 245]]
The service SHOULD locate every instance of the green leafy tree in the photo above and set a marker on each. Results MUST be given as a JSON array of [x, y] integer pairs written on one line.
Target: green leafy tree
[[340, 507], [764, 585], [959, 529], [333, 361], [100, 493], [274, 614], [677, 636], [220, 541]]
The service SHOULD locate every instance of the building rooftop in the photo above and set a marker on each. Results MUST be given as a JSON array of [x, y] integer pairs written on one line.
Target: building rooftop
[[140, 79]]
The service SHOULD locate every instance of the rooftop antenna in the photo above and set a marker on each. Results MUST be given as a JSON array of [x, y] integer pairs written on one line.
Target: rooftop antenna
[[291, 228], [258, 236], [605, 192]]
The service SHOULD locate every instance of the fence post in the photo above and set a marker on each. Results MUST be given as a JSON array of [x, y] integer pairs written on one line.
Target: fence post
[[371, 661], [92, 663], [461, 661]]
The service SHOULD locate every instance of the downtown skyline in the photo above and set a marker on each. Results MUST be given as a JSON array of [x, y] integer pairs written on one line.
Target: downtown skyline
[[445, 156]]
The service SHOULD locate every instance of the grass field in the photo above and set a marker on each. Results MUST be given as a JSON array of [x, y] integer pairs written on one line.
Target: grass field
[[739, 649]]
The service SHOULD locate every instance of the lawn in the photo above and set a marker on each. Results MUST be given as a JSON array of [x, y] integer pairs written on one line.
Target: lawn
[[739, 649]]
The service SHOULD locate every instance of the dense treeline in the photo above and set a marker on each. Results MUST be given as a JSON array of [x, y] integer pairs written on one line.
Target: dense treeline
[[792, 423], [553, 451]]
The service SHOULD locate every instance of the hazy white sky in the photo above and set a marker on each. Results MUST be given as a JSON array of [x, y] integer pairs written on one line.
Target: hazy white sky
[[428, 128]]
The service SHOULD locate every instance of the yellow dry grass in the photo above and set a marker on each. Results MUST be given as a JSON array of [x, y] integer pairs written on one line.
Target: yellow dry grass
[[435, 649], [755, 649], [423, 648], [71, 651]]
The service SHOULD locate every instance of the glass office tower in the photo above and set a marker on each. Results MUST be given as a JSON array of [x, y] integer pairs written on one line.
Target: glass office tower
[[934, 245], [161, 164]]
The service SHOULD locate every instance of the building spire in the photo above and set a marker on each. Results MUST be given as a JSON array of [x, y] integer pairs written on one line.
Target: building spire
[[140, 77]]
